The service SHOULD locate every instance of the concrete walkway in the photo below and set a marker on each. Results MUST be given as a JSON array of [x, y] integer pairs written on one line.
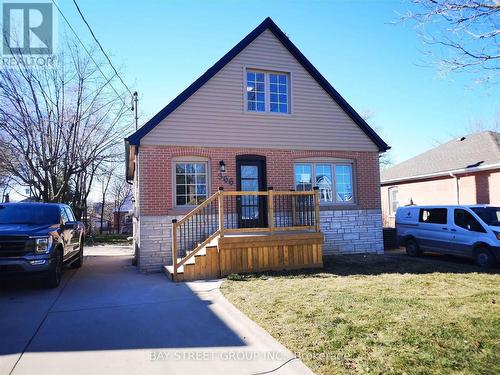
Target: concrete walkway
[[108, 319]]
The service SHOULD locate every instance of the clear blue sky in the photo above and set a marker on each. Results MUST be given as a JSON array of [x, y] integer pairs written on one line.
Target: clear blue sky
[[162, 46]]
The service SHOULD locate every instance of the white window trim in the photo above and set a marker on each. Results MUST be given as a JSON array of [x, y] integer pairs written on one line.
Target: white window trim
[[332, 162], [189, 159], [389, 191], [267, 90]]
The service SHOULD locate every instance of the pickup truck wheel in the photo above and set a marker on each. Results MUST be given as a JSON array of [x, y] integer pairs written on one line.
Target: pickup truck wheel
[[484, 258], [412, 248], [79, 261], [54, 276]]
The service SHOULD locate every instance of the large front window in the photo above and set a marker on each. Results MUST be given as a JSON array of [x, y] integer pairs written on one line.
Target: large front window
[[190, 183], [267, 91], [334, 181]]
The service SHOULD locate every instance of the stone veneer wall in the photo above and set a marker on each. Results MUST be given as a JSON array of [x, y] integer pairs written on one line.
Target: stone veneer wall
[[155, 248], [346, 232], [352, 231]]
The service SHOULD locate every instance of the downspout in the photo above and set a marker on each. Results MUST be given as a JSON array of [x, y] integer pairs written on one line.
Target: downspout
[[457, 186]]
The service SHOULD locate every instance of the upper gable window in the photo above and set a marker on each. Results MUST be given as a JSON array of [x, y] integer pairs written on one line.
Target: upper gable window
[[256, 93], [267, 91], [278, 90]]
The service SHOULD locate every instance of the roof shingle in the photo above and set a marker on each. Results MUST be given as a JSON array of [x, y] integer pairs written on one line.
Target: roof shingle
[[473, 150]]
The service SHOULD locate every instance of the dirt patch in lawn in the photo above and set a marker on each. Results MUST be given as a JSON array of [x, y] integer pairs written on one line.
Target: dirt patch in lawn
[[380, 314]]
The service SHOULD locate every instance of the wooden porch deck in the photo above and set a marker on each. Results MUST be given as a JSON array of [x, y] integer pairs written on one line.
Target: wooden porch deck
[[252, 252], [210, 243]]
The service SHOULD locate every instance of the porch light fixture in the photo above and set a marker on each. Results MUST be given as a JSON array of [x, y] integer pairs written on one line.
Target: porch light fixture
[[222, 166]]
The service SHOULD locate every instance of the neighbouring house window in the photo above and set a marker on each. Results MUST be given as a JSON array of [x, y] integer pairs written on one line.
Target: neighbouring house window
[[393, 200], [267, 91], [190, 183], [334, 181]]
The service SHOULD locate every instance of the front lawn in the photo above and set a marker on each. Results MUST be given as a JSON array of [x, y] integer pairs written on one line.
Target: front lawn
[[380, 314]]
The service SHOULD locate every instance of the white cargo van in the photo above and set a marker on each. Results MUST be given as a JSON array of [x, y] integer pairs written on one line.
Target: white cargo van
[[471, 231]]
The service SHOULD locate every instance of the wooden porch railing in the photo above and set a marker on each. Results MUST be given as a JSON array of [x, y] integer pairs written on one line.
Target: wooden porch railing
[[229, 212]]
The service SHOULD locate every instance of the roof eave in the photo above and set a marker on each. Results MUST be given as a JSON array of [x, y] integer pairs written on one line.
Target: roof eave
[[439, 174]]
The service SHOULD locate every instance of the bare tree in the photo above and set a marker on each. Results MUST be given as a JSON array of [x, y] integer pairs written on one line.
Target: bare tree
[[121, 191], [385, 158], [479, 125], [467, 32], [105, 180], [58, 126]]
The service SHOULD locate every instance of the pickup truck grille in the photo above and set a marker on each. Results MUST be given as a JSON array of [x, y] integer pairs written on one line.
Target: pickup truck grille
[[15, 246]]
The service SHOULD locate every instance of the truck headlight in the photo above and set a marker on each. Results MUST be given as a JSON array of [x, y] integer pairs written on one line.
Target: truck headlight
[[43, 245]]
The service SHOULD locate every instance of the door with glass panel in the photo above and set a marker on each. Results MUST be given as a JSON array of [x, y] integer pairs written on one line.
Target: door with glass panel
[[251, 176]]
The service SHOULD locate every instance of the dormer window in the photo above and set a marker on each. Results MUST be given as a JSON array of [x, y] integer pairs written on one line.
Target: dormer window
[[267, 91]]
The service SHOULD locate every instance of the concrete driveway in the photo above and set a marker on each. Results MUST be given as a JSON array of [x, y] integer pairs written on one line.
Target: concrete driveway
[[107, 318]]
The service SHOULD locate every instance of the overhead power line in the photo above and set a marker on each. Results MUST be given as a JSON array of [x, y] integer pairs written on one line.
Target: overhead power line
[[108, 80], [100, 46]]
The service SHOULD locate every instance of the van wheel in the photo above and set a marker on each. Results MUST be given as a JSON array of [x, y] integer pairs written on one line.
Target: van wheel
[[484, 258], [412, 248]]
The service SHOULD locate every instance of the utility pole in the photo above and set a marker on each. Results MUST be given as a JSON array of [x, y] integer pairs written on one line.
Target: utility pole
[[134, 219], [134, 108]]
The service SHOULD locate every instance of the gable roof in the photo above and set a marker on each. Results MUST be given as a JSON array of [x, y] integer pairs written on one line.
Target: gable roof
[[473, 151], [268, 23]]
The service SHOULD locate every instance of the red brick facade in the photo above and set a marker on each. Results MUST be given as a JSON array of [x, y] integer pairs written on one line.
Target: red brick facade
[[155, 169]]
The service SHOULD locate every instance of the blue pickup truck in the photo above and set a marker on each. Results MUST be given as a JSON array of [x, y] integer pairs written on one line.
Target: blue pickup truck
[[39, 239]]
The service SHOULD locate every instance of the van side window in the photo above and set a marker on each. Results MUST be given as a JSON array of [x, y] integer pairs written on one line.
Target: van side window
[[464, 219], [433, 215]]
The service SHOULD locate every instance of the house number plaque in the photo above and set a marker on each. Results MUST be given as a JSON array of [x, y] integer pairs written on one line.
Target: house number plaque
[[225, 179]]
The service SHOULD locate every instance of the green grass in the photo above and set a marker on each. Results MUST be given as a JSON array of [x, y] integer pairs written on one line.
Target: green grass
[[380, 315]]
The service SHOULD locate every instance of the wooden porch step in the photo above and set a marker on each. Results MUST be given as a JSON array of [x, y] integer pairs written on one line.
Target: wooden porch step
[[169, 271], [203, 265], [200, 253]]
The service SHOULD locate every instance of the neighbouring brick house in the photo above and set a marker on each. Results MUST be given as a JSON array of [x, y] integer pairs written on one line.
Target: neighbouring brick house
[[262, 116], [465, 170]]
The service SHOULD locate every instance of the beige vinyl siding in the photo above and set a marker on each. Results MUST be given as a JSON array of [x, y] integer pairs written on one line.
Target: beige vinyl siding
[[215, 114]]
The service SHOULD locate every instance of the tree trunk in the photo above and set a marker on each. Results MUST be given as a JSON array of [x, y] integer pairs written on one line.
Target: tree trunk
[[103, 202]]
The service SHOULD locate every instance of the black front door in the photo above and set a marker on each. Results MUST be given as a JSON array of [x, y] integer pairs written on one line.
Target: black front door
[[251, 176]]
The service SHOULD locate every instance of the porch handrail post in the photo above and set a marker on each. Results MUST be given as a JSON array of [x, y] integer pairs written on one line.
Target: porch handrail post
[[294, 209], [174, 247], [221, 211], [270, 208], [316, 208]]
